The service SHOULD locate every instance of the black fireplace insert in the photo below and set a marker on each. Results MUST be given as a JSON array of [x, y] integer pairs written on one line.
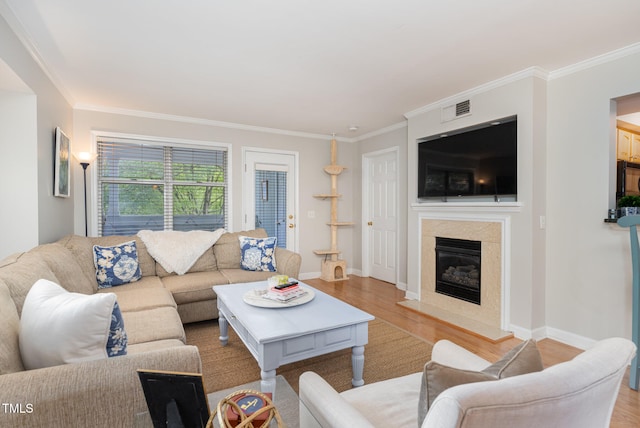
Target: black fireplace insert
[[458, 268]]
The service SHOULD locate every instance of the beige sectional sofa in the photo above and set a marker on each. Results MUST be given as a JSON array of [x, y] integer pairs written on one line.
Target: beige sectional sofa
[[107, 392]]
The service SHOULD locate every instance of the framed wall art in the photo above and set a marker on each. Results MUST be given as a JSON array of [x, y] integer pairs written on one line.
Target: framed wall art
[[62, 171]]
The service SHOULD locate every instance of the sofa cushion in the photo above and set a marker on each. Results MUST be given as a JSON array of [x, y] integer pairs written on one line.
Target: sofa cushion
[[227, 249], [143, 283], [393, 399], [82, 249], [116, 265], [59, 327], [66, 268], [10, 361], [193, 287], [236, 276], [436, 378], [140, 348], [139, 299], [206, 263], [20, 271], [153, 324], [258, 254]]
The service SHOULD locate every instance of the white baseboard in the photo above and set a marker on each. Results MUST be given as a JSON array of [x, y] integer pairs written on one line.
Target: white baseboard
[[558, 335], [571, 339], [356, 272], [402, 286], [314, 275], [411, 295], [309, 275]]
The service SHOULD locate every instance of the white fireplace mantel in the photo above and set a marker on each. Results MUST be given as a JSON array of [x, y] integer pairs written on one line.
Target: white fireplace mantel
[[468, 207]]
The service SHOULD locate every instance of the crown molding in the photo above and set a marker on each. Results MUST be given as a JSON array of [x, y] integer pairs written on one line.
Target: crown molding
[[595, 61], [485, 87], [205, 122], [381, 131], [27, 41], [538, 72]]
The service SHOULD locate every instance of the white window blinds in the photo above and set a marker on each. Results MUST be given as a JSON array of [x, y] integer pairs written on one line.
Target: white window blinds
[[156, 186]]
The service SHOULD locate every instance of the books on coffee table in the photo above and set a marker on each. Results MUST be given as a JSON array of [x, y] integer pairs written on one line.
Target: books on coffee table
[[284, 294]]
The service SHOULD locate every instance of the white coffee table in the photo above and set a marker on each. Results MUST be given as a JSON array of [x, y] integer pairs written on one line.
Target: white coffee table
[[277, 336]]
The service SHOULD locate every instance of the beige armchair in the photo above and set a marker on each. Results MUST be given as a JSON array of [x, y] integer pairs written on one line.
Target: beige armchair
[[578, 393]]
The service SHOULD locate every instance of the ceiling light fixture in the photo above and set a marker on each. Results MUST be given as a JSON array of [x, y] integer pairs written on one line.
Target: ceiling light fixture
[[353, 128]]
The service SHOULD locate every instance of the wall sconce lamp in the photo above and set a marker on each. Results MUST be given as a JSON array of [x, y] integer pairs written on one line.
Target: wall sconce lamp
[[85, 158]]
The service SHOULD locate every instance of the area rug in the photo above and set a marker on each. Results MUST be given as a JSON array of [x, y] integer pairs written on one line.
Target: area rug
[[391, 352]]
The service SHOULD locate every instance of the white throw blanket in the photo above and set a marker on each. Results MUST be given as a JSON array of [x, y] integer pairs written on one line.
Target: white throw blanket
[[178, 251]]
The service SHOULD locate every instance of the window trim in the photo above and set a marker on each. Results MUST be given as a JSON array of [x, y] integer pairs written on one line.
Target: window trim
[[92, 187]]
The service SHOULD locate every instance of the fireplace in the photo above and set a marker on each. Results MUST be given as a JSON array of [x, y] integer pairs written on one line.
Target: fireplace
[[458, 268], [493, 232]]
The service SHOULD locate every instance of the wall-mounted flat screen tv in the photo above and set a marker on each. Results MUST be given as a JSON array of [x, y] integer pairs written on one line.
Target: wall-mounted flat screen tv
[[471, 162]]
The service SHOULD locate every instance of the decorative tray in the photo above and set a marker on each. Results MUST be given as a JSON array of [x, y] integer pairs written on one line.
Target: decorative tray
[[253, 299]]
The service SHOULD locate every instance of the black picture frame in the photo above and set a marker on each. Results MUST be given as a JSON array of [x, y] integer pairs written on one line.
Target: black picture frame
[[175, 398]]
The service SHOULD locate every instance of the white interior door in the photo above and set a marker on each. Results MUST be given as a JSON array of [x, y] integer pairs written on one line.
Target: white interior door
[[380, 215], [270, 194]]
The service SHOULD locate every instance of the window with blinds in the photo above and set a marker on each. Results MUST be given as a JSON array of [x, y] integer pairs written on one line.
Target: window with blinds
[[157, 186]]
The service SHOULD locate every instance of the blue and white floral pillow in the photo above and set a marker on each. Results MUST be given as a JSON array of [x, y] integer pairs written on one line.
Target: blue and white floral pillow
[[117, 340], [258, 254], [116, 265]]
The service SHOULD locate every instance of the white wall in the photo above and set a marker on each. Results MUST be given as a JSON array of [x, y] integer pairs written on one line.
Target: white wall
[[314, 154], [47, 217], [589, 270], [18, 163], [522, 95]]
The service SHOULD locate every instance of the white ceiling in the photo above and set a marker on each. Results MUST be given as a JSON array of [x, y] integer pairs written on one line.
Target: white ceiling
[[302, 65]]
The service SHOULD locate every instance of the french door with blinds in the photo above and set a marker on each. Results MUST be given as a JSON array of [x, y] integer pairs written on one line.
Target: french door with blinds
[[269, 195], [159, 185]]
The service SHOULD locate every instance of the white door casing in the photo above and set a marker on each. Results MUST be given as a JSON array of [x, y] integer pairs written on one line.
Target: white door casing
[[380, 215]]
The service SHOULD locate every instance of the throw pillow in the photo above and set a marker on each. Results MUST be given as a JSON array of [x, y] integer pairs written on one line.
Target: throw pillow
[[524, 358], [116, 265], [59, 327], [436, 377], [117, 338], [258, 254]]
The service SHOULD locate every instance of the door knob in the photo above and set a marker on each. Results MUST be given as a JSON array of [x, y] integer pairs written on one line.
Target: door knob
[[291, 225], [370, 223]]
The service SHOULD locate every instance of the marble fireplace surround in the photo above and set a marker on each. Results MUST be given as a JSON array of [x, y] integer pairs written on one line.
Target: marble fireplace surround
[[490, 318]]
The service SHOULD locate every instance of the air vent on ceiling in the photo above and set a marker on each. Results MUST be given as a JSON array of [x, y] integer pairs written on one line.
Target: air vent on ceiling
[[454, 111]]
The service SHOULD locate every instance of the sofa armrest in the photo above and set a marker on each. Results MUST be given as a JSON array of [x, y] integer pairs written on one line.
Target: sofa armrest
[[287, 262], [322, 407], [93, 393], [448, 353]]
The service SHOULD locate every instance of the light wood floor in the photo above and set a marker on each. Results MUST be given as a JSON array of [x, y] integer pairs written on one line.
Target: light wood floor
[[380, 299]]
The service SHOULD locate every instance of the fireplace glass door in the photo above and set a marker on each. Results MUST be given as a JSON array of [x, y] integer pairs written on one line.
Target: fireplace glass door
[[458, 268]]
